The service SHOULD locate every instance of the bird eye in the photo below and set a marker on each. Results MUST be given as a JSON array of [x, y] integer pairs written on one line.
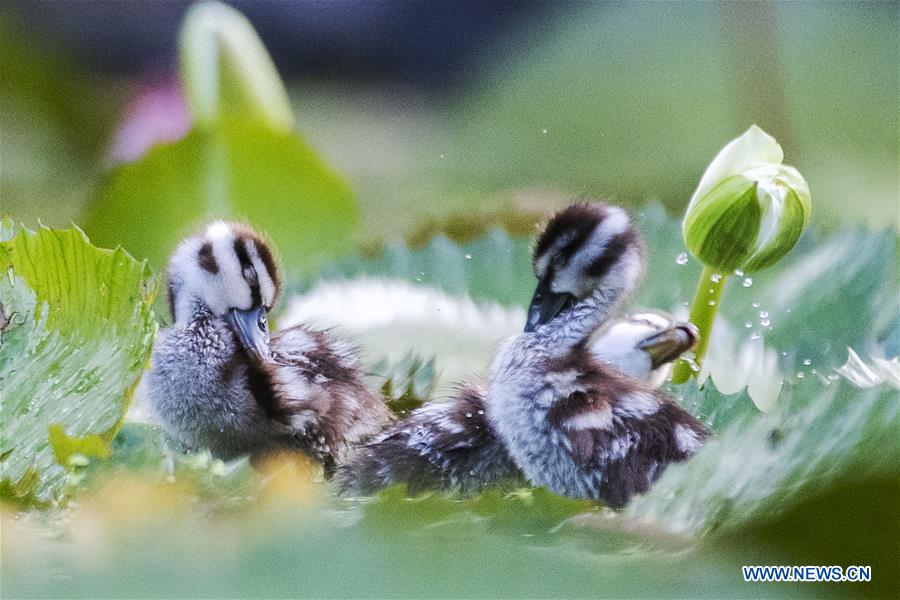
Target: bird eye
[[263, 321], [538, 299]]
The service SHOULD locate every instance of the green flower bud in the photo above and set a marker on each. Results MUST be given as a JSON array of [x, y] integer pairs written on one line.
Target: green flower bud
[[749, 209], [226, 70]]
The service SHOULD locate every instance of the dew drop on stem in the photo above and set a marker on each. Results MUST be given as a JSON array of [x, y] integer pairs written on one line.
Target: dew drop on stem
[[682, 259]]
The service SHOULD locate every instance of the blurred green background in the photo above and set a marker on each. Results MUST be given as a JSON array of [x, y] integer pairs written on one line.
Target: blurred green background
[[431, 110]]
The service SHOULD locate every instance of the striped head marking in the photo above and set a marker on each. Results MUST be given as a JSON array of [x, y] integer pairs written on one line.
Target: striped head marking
[[228, 268], [584, 247]]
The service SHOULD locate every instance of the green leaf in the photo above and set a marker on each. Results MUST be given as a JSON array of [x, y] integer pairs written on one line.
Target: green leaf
[[761, 464], [79, 333], [408, 384], [493, 267], [825, 296], [241, 161], [65, 447], [242, 170]]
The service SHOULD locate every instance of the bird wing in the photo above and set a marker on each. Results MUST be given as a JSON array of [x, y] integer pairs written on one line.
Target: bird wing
[[459, 425], [445, 445], [625, 434]]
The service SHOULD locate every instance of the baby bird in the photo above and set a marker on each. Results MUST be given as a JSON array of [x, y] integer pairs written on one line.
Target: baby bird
[[219, 381], [569, 420], [452, 446]]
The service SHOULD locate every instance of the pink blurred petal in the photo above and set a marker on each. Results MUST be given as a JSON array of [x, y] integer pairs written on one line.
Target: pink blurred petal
[[156, 114]]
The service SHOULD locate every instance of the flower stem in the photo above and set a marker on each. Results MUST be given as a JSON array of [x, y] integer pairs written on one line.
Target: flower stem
[[703, 314]]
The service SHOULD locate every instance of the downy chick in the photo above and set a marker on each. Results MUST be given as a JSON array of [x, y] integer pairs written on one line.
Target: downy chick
[[219, 381], [569, 421]]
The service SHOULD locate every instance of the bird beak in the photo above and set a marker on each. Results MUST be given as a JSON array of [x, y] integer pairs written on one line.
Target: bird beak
[[545, 305], [251, 329], [665, 346]]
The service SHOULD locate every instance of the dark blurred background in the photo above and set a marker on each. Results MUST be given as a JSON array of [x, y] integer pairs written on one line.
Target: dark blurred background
[[426, 44], [438, 108]]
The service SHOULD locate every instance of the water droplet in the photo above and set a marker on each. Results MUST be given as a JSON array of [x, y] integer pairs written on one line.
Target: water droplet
[[807, 362], [801, 375], [755, 305], [755, 335], [682, 258], [748, 324], [765, 322], [712, 302], [763, 314], [468, 257], [715, 278], [783, 353], [468, 415], [544, 131], [442, 156], [738, 272], [747, 282], [480, 411]]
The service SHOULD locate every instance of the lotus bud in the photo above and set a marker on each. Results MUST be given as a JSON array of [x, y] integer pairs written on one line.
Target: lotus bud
[[747, 213], [749, 209], [226, 70]]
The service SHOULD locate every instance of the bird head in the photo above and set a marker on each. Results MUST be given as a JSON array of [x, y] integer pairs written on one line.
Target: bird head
[[229, 269], [644, 345], [584, 247]]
